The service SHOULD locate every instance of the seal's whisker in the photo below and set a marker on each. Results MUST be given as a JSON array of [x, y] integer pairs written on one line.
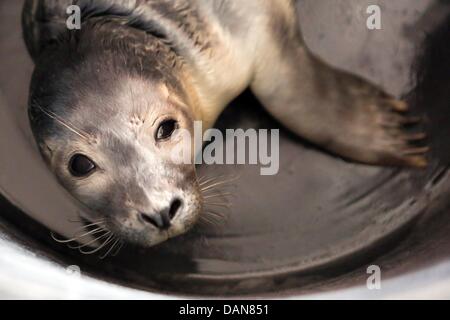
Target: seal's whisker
[[218, 195], [64, 123], [108, 240], [217, 204], [203, 223], [97, 230], [93, 222], [83, 221], [223, 189], [61, 240], [77, 231], [211, 187], [210, 181], [67, 240], [216, 184], [200, 179], [110, 248], [213, 220], [92, 241], [209, 221], [216, 178], [96, 222], [216, 214], [205, 241], [215, 193], [217, 218], [205, 178], [202, 182], [116, 252], [86, 232], [91, 233], [88, 227]]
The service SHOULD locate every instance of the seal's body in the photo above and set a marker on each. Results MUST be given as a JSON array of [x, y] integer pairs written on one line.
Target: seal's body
[[106, 101]]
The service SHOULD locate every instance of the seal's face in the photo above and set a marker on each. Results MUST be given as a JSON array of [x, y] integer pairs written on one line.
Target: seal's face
[[114, 153]]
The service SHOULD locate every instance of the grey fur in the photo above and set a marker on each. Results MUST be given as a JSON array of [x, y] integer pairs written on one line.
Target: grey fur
[[132, 57]]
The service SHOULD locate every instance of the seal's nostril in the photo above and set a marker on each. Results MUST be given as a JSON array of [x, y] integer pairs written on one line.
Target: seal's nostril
[[176, 204], [155, 220], [162, 220]]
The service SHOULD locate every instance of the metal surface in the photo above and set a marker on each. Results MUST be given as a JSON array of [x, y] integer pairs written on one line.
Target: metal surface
[[314, 226]]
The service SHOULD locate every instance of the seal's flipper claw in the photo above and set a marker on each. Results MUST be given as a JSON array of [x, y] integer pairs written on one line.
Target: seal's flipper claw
[[397, 105]]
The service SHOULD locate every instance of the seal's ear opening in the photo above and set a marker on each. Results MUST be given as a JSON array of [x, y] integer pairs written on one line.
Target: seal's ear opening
[[310, 227], [46, 151]]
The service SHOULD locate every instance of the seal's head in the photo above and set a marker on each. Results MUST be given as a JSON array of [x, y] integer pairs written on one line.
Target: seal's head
[[108, 116]]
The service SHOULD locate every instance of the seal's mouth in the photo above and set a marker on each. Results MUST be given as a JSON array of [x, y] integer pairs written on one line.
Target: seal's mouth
[[106, 236]]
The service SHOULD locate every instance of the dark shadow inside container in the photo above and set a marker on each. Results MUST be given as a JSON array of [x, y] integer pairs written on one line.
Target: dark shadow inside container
[[319, 222]]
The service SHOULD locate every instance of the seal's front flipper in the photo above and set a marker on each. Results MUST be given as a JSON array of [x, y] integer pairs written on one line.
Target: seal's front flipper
[[341, 112]]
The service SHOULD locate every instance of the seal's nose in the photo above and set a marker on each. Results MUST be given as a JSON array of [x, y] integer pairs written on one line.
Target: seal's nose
[[162, 220], [159, 220]]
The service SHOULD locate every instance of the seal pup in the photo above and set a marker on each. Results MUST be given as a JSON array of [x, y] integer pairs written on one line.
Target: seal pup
[[107, 102]]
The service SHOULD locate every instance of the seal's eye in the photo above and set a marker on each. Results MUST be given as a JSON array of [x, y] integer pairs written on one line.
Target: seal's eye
[[165, 129], [81, 165]]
